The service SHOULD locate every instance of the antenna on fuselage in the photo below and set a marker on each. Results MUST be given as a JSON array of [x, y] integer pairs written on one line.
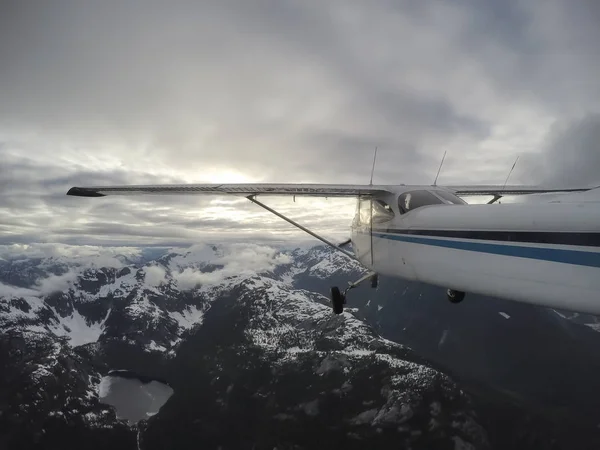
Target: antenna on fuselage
[[373, 168], [440, 168]]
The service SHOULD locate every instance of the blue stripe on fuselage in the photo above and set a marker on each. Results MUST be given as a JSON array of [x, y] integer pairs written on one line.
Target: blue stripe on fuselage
[[580, 258]]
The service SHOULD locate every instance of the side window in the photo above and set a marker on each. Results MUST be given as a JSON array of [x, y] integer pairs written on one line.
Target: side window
[[415, 199], [382, 212], [364, 211], [356, 220], [451, 198]]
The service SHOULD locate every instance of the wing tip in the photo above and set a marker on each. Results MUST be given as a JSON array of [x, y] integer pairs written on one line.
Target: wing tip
[[84, 192]]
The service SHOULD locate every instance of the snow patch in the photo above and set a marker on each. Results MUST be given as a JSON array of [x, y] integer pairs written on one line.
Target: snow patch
[[141, 306], [365, 417], [332, 363], [288, 277], [594, 326], [121, 286], [153, 346], [323, 268], [503, 314], [330, 263], [77, 328], [188, 318], [32, 308], [559, 314], [357, 352]]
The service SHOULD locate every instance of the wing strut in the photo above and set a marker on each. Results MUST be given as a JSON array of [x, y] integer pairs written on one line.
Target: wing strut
[[252, 198], [495, 199]]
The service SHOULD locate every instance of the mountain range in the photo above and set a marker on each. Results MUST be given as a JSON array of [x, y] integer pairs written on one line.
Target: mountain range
[[245, 337]]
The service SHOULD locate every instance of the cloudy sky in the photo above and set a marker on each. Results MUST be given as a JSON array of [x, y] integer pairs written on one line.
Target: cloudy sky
[[281, 91]]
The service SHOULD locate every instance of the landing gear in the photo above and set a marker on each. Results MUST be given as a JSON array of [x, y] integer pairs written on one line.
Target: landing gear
[[375, 281], [338, 298], [455, 296]]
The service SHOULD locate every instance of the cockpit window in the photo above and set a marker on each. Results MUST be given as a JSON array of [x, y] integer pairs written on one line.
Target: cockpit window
[[415, 199], [382, 212], [448, 196], [364, 211], [372, 211]]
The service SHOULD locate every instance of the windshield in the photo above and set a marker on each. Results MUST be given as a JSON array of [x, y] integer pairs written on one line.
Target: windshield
[[450, 197], [415, 199], [382, 212]]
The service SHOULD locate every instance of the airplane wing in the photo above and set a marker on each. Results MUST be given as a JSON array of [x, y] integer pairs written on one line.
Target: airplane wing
[[508, 190], [299, 189], [315, 190]]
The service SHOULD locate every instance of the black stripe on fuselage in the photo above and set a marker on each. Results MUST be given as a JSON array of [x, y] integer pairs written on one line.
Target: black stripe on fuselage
[[587, 239]]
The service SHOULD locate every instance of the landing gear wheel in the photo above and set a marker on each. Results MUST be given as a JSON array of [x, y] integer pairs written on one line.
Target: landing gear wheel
[[337, 299], [455, 296], [374, 281]]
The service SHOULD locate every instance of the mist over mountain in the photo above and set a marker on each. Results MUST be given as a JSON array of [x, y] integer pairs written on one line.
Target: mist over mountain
[[245, 337]]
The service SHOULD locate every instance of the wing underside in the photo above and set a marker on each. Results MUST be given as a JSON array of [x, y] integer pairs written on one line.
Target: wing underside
[[315, 190], [508, 190], [300, 189]]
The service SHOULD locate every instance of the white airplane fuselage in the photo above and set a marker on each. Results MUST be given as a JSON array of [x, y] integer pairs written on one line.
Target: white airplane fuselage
[[541, 253]]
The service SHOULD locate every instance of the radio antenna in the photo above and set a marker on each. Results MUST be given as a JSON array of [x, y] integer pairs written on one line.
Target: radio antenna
[[373, 168], [440, 168], [511, 170]]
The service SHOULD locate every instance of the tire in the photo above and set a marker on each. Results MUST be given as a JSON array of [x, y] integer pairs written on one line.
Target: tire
[[375, 281], [337, 300], [455, 296]]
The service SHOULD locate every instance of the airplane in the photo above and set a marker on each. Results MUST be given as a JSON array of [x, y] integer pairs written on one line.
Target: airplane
[[544, 253]]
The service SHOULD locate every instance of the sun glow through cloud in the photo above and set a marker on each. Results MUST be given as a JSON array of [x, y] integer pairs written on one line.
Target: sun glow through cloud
[[225, 176], [293, 92]]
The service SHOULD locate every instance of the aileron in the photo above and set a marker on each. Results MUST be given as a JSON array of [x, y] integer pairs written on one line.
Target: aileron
[[509, 190]]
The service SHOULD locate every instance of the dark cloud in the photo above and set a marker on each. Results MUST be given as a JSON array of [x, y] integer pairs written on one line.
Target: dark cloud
[[545, 52], [571, 156], [508, 21], [217, 91]]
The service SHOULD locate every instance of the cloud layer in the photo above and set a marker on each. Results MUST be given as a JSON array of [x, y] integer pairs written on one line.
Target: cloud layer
[[225, 91], [237, 260]]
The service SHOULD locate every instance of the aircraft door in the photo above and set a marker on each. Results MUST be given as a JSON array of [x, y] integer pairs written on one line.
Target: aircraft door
[[362, 231]]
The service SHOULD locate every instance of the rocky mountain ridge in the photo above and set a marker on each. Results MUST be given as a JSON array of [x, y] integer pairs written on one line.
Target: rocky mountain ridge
[[253, 359]]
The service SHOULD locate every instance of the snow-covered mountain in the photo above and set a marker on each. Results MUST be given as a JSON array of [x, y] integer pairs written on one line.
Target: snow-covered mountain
[[245, 336], [254, 360], [150, 302]]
